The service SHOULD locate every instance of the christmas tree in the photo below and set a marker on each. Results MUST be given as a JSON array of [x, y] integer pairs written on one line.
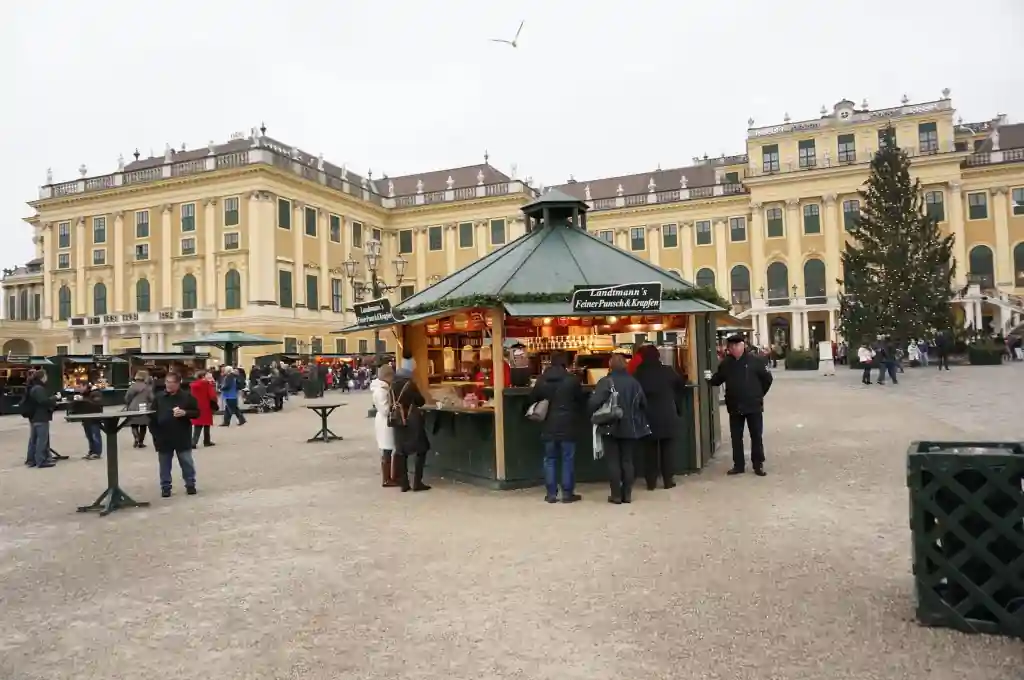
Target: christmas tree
[[898, 267]]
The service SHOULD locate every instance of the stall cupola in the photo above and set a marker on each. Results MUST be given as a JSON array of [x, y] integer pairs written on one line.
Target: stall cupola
[[555, 208]]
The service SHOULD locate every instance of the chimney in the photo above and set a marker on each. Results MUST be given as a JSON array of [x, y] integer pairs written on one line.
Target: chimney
[[572, 180]]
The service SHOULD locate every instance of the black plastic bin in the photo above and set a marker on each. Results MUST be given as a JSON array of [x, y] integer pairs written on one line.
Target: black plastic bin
[[967, 528]]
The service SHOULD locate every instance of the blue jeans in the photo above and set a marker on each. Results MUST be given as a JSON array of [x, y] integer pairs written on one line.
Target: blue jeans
[[887, 367], [188, 467], [94, 436], [553, 450], [38, 443], [231, 407]]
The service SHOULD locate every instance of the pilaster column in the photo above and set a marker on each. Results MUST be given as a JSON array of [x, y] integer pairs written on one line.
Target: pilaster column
[[794, 259], [117, 259], [166, 289], [450, 234], [1004, 256], [833, 318], [105, 339], [832, 261], [482, 237], [161, 340], [762, 329], [210, 253], [956, 226], [686, 240], [81, 294], [420, 234], [978, 316], [516, 227], [722, 259], [622, 237], [47, 234], [299, 268], [654, 243], [256, 247], [322, 229], [756, 248], [805, 330], [796, 330]]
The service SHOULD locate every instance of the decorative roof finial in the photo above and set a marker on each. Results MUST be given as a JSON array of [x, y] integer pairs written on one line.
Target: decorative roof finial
[[369, 174], [120, 162], [136, 154], [904, 99], [786, 118], [168, 152], [823, 111], [449, 182], [419, 186], [49, 176], [651, 186], [586, 192], [212, 148], [183, 146], [263, 129], [391, 189], [945, 92], [320, 162], [82, 170], [864, 104], [487, 157], [619, 190], [750, 123], [683, 181], [479, 177]]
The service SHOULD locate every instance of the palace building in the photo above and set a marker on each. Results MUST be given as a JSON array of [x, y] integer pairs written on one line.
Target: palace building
[[253, 234]]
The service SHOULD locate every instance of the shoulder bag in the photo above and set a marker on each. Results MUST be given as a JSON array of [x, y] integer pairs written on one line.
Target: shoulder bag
[[610, 411], [538, 411]]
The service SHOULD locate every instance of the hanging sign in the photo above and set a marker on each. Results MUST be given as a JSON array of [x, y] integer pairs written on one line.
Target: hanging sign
[[18, 359], [626, 298], [375, 313]]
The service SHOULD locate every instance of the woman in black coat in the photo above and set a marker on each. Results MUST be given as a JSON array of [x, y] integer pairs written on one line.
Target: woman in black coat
[[620, 439], [564, 395], [410, 430], [665, 391]]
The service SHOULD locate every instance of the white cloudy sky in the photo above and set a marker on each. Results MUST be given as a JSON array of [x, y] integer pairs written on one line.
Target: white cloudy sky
[[595, 88]]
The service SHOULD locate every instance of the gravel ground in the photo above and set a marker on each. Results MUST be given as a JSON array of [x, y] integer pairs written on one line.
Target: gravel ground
[[292, 562]]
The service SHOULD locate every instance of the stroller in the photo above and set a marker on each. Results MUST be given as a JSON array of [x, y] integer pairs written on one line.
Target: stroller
[[260, 398]]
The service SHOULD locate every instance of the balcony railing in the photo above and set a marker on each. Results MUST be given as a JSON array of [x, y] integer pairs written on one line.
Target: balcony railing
[[828, 160], [995, 157], [298, 163], [667, 196], [140, 317]]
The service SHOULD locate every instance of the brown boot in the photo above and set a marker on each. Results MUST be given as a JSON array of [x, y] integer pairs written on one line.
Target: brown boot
[[387, 475]]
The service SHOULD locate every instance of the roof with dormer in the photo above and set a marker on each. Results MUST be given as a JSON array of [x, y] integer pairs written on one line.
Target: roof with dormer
[[639, 183]]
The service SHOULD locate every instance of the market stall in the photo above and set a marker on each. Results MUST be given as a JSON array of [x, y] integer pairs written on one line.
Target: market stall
[[14, 371], [159, 364], [557, 288], [109, 374]]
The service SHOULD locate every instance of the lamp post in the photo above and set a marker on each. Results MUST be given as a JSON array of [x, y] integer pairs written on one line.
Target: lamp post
[[376, 287]]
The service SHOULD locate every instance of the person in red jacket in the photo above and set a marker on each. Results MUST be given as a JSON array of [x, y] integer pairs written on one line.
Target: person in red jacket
[[204, 390], [636, 360]]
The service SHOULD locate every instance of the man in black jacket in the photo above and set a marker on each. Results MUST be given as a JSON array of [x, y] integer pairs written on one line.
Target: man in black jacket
[[665, 391], [564, 395], [172, 433], [746, 381], [38, 408]]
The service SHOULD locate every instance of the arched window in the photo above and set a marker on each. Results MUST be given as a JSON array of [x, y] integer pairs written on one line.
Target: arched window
[[232, 290], [1018, 265], [814, 282], [142, 298], [23, 304], [99, 299], [188, 292], [63, 303], [739, 282], [778, 284], [982, 269], [705, 278]]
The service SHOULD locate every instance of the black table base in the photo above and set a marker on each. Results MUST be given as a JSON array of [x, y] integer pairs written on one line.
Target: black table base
[[114, 497], [57, 456], [324, 434]]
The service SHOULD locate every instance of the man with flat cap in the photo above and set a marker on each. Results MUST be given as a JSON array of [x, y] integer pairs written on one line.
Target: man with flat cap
[[746, 381]]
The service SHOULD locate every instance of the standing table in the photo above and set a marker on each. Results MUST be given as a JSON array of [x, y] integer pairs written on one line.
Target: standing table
[[114, 498], [325, 434]]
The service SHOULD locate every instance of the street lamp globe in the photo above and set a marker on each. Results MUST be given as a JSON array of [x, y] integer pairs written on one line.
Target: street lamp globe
[[400, 265], [373, 248], [372, 258], [351, 266]]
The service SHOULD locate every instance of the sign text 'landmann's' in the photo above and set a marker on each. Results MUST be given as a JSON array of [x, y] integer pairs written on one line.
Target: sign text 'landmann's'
[[374, 312], [627, 298]]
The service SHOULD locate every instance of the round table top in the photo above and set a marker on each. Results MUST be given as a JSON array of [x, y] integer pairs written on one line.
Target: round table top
[[316, 406], [109, 414]]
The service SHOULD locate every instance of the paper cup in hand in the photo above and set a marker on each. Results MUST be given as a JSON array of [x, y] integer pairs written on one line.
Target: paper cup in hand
[[707, 375], [143, 406]]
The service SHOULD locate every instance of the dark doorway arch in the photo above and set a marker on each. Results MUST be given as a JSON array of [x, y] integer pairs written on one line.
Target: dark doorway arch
[[778, 284]]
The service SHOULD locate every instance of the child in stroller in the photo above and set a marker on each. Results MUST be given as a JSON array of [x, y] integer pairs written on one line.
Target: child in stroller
[[259, 396]]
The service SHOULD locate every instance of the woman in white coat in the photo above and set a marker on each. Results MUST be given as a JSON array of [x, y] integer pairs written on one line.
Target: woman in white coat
[[380, 389]]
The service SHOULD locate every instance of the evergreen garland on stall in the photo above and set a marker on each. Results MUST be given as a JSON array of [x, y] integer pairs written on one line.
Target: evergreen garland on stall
[[898, 267]]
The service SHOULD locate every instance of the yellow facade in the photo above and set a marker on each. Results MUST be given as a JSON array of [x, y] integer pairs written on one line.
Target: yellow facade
[[242, 235]]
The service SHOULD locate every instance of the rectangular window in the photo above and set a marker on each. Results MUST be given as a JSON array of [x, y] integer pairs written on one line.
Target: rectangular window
[[316, 346], [497, 232], [851, 211], [337, 291], [934, 206], [435, 238], [291, 346], [231, 241], [669, 236], [805, 150], [364, 346], [341, 345], [886, 137], [284, 213], [466, 235], [703, 231], [231, 211], [375, 234], [64, 235], [310, 221], [732, 178], [1018, 201], [405, 242], [335, 229], [284, 288], [11, 308], [607, 235], [927, 138], [737, 229], [357, 234], [37, 306], [141, 252], [142, 224], [312, 292], [977, 206], [770, 157], [638, 238], [847, 149], [406, 292], [188, 246], [812, 219], [773, 217], [99, 230], [62, 350], [188, 217], [97, 349], [99, 256]]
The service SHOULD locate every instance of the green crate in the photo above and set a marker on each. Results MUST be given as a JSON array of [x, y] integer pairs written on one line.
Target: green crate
[[967, 528]]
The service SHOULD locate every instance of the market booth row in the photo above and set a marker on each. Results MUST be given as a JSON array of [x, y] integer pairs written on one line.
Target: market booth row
[[556, 289]]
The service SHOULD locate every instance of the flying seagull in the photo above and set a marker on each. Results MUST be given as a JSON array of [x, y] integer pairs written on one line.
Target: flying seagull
[[514, 41]]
